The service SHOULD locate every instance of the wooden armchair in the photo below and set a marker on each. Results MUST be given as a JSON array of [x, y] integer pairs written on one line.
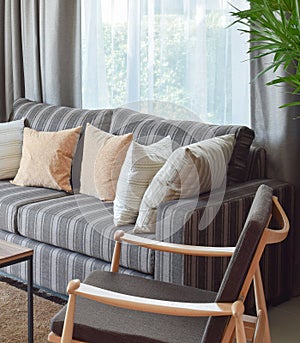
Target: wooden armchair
[[113, 307]]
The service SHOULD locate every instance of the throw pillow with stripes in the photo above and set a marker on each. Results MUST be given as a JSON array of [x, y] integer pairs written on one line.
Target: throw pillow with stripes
[[11, 137], [141, 164], [188, 172]]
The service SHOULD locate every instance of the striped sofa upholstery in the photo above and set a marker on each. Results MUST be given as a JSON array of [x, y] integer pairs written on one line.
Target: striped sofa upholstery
[[55, 267], [148, 129], [44, 117], [72, 235], [82, 224], [14, 197]]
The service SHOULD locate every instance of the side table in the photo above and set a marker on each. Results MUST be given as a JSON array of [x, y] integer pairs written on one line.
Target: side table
[[10, 254]]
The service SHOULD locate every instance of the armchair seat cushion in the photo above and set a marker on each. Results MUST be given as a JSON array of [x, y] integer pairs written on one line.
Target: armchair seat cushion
[[119, 325], [83, 224]]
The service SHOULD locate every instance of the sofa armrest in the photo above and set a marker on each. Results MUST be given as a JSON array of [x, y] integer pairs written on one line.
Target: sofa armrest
[[192, 221], [256, 164]]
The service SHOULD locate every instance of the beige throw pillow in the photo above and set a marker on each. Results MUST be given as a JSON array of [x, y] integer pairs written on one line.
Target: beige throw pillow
[[189, 171], [141, 164], [47, 158], [103, 157]]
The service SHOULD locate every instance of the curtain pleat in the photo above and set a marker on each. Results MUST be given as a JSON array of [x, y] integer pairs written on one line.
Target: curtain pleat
[[60, 52], [40, 52], [11, 60]]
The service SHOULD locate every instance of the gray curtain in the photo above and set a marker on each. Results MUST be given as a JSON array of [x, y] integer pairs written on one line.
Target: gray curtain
[[279, 132], [11, 65], [40, 52]]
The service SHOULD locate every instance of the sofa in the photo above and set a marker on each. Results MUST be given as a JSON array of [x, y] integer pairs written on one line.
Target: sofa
[[72, 233]]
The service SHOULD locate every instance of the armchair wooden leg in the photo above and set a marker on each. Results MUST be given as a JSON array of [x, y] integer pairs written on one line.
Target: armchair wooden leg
[[262, 327], [261, 334], [237, 311], [67, 333], [117, 251]]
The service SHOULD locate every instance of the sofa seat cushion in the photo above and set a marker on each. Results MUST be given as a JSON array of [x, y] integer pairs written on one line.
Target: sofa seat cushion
[[12, 198], [83, 224], [55, 267], [148, 129]]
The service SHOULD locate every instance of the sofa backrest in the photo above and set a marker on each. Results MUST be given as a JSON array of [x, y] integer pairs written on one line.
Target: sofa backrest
[[148, 129], [44, 117]]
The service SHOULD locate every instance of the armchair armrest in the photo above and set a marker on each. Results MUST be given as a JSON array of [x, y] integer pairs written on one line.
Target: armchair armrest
[[174, 248], [131, 302]]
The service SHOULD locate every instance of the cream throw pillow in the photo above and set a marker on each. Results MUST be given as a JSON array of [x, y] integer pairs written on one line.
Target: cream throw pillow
[[141, 164], [11, 137], [189, 171], [47, 158], [102, 159]]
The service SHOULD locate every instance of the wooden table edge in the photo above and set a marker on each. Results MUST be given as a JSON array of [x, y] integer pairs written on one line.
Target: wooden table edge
[[10, 252]]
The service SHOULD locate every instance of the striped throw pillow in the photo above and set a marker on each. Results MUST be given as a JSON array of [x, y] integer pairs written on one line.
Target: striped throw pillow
[[141, 164], [11, 137], [189, 171]]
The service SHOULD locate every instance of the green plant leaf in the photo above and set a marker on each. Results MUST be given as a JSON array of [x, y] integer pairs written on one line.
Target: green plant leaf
[[274, 29], [290, 104]]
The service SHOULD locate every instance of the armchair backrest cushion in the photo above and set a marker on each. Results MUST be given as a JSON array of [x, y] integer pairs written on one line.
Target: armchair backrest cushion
[[240, 261]]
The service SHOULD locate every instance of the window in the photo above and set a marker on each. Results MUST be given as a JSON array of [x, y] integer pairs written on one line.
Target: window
[[146, 54]]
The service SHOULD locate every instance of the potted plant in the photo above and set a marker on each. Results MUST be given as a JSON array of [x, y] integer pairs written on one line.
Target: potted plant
[[274, 28]]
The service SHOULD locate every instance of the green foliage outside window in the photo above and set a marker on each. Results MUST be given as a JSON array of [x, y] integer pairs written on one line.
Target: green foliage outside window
[[170, 65]]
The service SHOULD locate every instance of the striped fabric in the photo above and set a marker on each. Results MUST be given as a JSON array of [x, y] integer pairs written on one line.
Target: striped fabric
[[191, 170], [11, 137], [13, 197], [257, 164], [185, 223], [148, 129], [55, 267], [141, 164], [44, 117], [72, 235], [82, 224]]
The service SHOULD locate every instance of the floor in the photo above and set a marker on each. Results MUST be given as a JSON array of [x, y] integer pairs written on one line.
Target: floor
[[285, 322]]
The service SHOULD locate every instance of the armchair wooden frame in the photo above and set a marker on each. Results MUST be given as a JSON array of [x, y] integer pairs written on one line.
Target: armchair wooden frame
[[242, 327]]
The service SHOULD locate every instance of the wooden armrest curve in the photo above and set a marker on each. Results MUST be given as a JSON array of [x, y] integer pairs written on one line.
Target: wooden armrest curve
[[174, 248], [277, 236], [151, 305]]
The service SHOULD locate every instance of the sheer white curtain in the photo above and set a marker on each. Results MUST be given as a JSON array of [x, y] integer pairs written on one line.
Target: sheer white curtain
[[138, 53]]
